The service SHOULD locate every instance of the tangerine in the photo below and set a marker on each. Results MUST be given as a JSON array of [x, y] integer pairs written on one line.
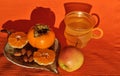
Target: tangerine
[[44, 56], [17, 40]]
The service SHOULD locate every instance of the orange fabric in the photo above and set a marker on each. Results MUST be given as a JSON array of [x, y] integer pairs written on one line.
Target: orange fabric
[[102, 56]]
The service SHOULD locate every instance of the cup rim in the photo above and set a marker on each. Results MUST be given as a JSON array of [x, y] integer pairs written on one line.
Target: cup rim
[[84, 13], [80, 13], [77, 3], [72, 6]]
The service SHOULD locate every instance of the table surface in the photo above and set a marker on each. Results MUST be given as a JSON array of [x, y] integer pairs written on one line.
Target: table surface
[[102, 56]]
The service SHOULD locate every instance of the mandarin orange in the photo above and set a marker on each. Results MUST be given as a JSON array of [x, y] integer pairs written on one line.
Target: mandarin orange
[[17, 40], [44, 56]]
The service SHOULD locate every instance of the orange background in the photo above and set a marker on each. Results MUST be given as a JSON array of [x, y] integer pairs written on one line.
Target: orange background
[[102, 57]]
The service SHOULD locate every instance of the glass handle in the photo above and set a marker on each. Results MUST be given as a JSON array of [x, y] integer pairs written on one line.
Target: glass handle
[[98, 19], [95, 35]]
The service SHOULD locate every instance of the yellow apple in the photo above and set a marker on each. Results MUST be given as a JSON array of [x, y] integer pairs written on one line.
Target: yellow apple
[[70, 59]]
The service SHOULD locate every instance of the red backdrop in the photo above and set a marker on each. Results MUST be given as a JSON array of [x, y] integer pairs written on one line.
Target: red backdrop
[[102, 56]]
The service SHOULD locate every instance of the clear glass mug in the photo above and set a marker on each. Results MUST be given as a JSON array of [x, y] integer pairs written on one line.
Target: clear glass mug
[[80, 28]]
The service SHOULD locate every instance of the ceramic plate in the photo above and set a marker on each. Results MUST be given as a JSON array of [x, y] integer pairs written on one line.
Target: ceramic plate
[[20, 62]]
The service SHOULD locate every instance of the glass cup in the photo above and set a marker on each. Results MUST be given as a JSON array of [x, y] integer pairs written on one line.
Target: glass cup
[[80, 28]]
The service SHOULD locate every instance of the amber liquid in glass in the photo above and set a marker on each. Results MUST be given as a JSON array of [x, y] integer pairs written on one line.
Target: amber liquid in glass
[[76, 31]]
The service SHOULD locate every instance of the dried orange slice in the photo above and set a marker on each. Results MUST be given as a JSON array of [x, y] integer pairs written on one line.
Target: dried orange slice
[[17, 40], [44, 56]]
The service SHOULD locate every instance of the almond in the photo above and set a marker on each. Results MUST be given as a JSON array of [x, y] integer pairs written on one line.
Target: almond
[[29, 52], [17, 54], [23, 51], [25, 58]]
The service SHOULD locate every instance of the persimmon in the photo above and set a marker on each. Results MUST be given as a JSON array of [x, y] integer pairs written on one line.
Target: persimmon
[[44, 56], [17, 40], [41, 36]]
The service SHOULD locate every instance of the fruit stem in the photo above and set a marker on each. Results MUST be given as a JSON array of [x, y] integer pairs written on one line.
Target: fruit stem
[[40, 29], [64, 66]]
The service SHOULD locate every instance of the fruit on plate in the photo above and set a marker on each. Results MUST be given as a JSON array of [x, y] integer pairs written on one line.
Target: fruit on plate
[[41, 36], [70, 59], [44, 56], [17, 40]]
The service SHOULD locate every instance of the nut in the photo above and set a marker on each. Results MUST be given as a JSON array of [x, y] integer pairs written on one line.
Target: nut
[[17, 53], [30, 59], [23, 51], [25, 58], [29, 52]]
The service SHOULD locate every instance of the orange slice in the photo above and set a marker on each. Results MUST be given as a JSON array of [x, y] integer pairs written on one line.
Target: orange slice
[[17, 40], [44, 56]]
